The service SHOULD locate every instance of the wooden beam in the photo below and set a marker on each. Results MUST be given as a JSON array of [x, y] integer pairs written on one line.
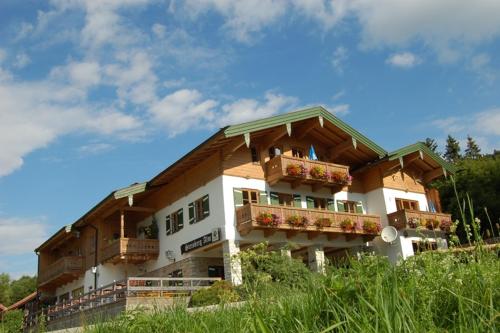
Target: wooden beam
[[313, 234], [273, 137], [122, 224], [303, 130], [339, 149], [316, 187], [232, 148], [434, 173], [291, 233], [269, 232], [139, 209], [350, 237], [331, 236], [296, 183]]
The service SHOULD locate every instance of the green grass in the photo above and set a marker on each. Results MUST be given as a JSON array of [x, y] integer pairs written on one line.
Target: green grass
[[431, 292]]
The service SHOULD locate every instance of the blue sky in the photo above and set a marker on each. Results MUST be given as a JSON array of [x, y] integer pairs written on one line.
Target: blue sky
[[96, 95]]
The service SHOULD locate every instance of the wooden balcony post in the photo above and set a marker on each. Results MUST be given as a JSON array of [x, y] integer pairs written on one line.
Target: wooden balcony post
[[122, 224]]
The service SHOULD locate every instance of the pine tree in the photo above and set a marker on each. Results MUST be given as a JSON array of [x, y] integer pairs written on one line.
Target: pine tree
[[432, 144], [472, 151], [452, 150]]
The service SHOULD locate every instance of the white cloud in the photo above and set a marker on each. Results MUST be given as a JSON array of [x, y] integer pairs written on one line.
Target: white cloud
[[403, 60], [95, 148], [174, 83], [159, 30], [488, 122], [481, 65], [243, 19], [245, 109], [182, 110], [340, 109], [338, 95], [339, 57], [327, 13], [21, 236], [22, 59]]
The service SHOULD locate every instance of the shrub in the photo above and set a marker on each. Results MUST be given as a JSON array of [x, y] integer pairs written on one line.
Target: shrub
[[347, 225], [323, 222], [260, 267], [318, 172], [371, 227], [12, 322], [296, 170], [297, 221], [219, 292], [268, 219]]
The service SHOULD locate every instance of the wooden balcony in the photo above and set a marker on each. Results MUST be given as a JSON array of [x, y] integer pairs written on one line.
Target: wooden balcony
[[130, 250], [64, 270], [335, 175], [318, 222], [408, 219]]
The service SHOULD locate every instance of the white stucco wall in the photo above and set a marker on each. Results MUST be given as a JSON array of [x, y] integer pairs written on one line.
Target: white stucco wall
[[390, 196]]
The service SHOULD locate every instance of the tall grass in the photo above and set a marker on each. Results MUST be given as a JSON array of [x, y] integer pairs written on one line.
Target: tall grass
[[432, 292]]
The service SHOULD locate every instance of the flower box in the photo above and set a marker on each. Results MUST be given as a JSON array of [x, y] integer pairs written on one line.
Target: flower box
[[318, 172], [323, 222], [431, 224], [371, 227], [347, 225], [268, 219], [296, 170], [297, 221]]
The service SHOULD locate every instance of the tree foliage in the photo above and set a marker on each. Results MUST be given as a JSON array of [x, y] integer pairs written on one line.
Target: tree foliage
[[472, 151], [12, 291], [480, 179], [452, 150], [432, 144]]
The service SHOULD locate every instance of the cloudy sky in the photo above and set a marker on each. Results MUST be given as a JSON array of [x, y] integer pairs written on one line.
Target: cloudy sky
[[95, 95]]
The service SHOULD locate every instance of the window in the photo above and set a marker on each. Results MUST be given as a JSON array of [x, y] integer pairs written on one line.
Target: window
[[407, 204], [255, 155], [176, 274], [298, 152], [216, 271], [77, 293], [174, 222], [320, 203], [275, 151], [350, 206], [285, 199], [422, 246], [64, 297], [246, 196], [199, 210]]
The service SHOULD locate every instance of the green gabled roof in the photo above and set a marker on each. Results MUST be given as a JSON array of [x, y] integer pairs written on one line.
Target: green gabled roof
[[291, 117], [420, 146]]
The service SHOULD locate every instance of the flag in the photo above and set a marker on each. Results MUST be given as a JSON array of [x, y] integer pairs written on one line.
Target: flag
[[312, 154]]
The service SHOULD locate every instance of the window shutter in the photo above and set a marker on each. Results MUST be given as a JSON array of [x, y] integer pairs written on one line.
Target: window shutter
[[275, 200], [180, 221], [310, 202], [238, 197], [330, 204], [191, 213], [340, 206], [168, 225], [359, 207], [205, 206], [297, 201], [263, 198]]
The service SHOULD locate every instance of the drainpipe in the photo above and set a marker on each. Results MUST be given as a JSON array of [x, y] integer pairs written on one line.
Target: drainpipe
[[96, 237]]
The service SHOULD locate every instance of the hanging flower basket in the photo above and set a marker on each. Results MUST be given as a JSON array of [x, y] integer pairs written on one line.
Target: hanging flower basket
[[296, 170], [371, 227], [268, 219], [297, 221]]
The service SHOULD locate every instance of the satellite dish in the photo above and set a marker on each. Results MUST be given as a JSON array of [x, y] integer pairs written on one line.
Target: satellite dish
[[389, 234]]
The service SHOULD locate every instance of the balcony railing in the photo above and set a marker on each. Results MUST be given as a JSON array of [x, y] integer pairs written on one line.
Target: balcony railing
[[415, 219], [132, 249], [314, 222], [61, 271], [297, 171]]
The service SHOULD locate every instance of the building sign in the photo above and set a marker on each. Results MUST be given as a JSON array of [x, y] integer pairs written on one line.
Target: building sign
[[202, 241]]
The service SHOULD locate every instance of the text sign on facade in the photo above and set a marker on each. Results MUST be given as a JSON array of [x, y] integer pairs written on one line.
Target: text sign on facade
[[202, 241]]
